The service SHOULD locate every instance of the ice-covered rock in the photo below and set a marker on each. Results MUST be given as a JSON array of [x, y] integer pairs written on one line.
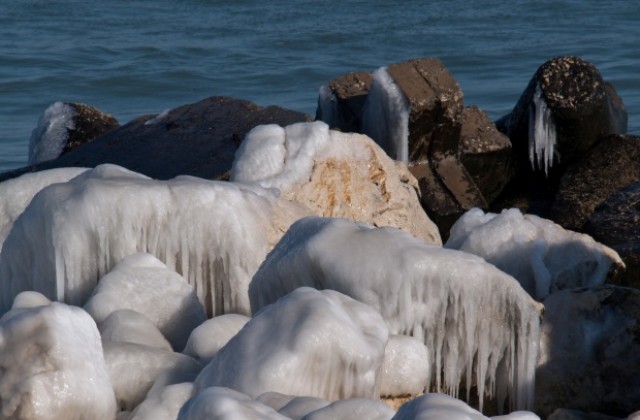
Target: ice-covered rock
[[209, 337], [133, 369], [16, 194], [215, 234], [477, 322], [50, 135], [353, 408], [142, 283], [540, 254], [437, 406], [406, 367], [127, 326], [217, 403], [299, 407], [334, 174], [164, 403], [315, 343], [52, 366]]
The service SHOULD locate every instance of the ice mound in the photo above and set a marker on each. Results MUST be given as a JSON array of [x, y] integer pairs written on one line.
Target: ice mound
[[52, 366], [163, 403], [218, 403], [334, 174], [354, 408], [386, 116], [133, 369], [50, 135], [437, 406], [476, 321], [406, 367], [299, 407], [139, 283], [315, 343], [16, 194], [542, 133], [127, 326], [215, 234], [209, 337], [540, 254]]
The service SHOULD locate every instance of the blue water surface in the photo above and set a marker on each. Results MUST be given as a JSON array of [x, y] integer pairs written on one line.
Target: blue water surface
[[130, 58]]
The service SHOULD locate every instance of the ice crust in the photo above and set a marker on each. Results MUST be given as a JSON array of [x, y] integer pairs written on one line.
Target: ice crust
[[437, 406], [139, 283], [52, 366], [209, 337], [542, 133], [298, 407], [163, 404], [215, 234], [540, 254], [218, 403], [476, 321], [406, 367], [386, 116], [127, 326], [52, 132], [353, 408], [315, 343]]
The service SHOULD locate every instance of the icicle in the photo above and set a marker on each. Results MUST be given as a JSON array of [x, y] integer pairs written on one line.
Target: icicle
[[542, 133], [328, 106], [386, 116]]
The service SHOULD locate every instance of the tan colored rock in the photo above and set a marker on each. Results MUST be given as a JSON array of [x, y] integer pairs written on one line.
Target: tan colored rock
[[335, 174]]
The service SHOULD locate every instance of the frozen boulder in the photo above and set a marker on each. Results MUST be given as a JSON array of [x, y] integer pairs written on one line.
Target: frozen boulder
[[316, 343], [299, 407], [16, 194], [215, 234], [406, 367], [590, 352], [164, 403], [213, 334], [142, 283], [335, 175], [127, 326], [133, 369], [353, 408], [454, 302], [52, 366], [218, 403], [541, 255], [437, 406]]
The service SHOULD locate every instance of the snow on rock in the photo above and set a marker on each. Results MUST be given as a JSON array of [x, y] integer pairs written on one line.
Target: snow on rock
[[209, 337], [406, 367], [16, 194], [133, 369], [52, 366], [142, 283], [50, 135], [354, 408], [164, 403], [315, 343], [476, 321], [215, 234], [129, 326], [540, 254], [334, 174], [298, 407], [437, 406], [217, 403]]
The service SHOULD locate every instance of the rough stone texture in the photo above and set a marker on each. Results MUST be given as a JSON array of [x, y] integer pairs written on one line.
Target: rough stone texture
[[616, 222], [197, 139], [349, 95], [590, 352], [89, 123], [610, 166]]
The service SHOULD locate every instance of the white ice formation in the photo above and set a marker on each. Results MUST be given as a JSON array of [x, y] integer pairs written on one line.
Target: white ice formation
[[540, 254], [127, 326], [163, 403], [437, 406], [315, 343], [16, 194], [52, 366], [158, 118], [299, 407], [142, 283], [50, 136], [353, 408], [215, 234], [218, 403], [386, 116], [542, 133], [476, 321], [406, 367], [210, 336], [334, 174], [328, 106]]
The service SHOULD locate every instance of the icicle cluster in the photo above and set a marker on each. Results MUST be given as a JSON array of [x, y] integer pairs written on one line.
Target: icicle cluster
[[542, 133], [386, 116]]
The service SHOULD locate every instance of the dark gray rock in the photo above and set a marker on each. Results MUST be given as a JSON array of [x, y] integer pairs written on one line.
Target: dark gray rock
[[198, 139], [341, 101], [565, 414]]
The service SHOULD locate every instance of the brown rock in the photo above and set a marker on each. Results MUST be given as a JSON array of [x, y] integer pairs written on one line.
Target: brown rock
[[89, 123], [341, 101]]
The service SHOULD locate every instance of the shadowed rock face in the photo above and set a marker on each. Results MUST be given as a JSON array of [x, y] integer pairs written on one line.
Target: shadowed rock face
[[89, 123], [198, 139], [346, 95]]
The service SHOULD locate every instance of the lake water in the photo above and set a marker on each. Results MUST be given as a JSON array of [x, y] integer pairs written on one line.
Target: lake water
[[136, 57]]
